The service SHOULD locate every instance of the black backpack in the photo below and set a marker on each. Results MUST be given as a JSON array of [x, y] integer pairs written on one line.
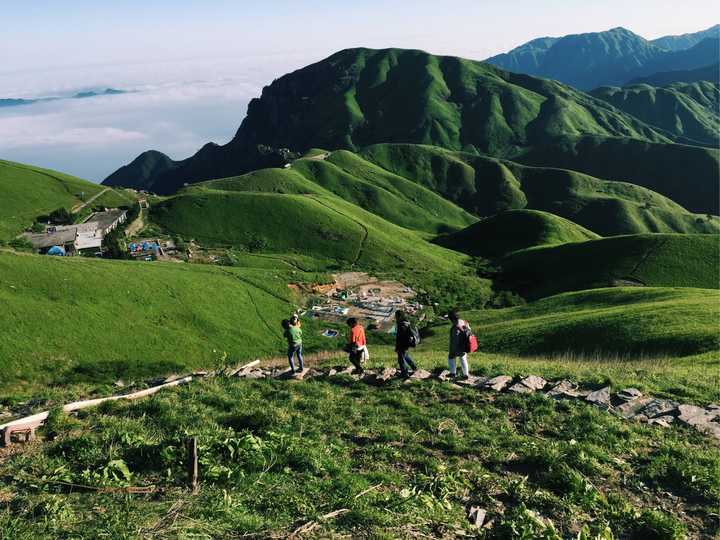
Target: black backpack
[[413, 336]]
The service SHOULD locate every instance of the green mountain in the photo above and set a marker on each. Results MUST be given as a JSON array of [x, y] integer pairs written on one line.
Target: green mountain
[[137, 173], [689, 110], [609, 58], [485, 186], [27, 192], [359, 97], [653, 260], [514, 230], [686, 41], [709, 73]]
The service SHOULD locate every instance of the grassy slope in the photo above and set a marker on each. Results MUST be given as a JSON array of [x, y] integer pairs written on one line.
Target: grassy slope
[[513, 230], [321, 225], [485, 186], [27, 192], [131, 319], [652, 260], [401, 461], [687, 110]]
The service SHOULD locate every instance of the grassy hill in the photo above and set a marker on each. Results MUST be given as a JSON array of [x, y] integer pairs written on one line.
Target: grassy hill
[[396, 199], [665, 260], [513, 230], [27, 192], [687, 110], [708, 73], [485, 186], [359, 97], [132, 319]]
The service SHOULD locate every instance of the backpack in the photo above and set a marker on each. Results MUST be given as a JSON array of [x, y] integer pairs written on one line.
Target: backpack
[[471, 341], [413, 337]]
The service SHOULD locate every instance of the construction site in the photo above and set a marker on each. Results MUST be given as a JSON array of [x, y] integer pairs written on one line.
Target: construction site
[[370, 300]]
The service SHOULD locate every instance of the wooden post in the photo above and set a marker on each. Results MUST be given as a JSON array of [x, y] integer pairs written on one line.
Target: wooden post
[[192, 464]]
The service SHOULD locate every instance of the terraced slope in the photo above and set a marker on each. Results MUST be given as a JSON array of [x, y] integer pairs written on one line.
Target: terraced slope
[[359, 97], [27, 192], [485, 186], [657, 260], [689, 110], [513, 230]]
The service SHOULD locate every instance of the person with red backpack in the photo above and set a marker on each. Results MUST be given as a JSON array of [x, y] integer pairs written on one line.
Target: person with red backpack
[[462, 342]]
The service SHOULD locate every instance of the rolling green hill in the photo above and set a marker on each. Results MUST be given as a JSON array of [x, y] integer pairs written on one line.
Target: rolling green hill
[[317, 224], [709, 73], [396, 199], [657, 260], [484, 186], [624, 321], [687, 110], [513, 230], [359, 97], [131, 319], [27, 192]]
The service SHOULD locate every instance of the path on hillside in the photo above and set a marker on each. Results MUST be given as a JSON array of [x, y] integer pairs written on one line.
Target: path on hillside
[[366, 233], [137, 225], [75, 209]]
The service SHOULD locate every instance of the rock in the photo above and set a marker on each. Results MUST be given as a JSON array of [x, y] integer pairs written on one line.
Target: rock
[[199, 373], [600, 397], [253, 374], [443, 375], [331, 372], [565, 389], [663, 421], [300, 375], [497, 383], [626, 395], [477, 516], [534, 382], [693, 415], [631, 409], [711, 428], [520, 388], [658, 407], [386, 374], [421, 374], [119, 383], [171, 378], [471, 382]]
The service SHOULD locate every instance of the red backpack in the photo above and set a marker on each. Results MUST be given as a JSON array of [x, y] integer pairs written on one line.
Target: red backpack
[[471, 341]]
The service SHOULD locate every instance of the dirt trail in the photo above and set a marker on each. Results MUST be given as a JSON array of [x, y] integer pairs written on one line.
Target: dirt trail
[[137, 225], [366, 233], [78, 207]]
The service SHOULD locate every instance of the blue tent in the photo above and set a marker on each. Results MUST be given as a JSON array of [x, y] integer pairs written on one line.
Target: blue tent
[[57, 251]]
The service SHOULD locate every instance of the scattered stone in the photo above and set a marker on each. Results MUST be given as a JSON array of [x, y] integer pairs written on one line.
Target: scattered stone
[[497, 383], [695, 416], [252, 374], [386, 374], [663, 421], [300, 375], [477, 516], [659, 407], [119, 383], [629, 394], [421, 374], [566, 389], [331, 372], [443, 375], [600, 397], [471, 382], [631, 409], [520, 388], [534, 382]]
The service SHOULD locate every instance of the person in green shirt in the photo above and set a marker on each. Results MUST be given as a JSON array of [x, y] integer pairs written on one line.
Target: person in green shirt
[[293, 334]]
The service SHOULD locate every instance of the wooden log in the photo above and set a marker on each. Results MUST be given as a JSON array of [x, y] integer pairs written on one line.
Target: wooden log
[[192, 464]]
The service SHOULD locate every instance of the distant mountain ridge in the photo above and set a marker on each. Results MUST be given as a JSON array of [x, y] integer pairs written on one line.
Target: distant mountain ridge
[[14, 102], [609, 58]]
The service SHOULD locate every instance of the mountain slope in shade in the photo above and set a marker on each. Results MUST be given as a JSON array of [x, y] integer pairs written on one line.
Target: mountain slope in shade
[[686, 41], [609, 58], [688, 110], [359, 97], [709, 73]]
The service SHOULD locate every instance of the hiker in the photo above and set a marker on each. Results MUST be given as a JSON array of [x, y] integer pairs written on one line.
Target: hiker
[[295, 320], [356, 345], [404, 339], [458, 348], [293, 334]]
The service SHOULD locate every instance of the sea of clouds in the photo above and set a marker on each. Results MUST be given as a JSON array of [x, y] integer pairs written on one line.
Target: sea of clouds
[[174, 107]]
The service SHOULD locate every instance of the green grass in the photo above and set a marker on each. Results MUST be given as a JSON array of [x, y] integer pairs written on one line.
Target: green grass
[[399, 461], [485, 186], [667, 260], [27, 192], [513, 230], [87, 320]]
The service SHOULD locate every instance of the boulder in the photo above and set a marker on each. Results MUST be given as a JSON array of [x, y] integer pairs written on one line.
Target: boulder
[[659, 408], [497, 383], [632, 409], [600, 397], [693, 415], [566, 389], [520, 388]]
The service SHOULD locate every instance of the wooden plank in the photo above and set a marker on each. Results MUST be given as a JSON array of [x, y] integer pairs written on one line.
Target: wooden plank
[[192, 464]]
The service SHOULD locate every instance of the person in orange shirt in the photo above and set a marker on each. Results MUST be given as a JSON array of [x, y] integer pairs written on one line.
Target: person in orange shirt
[[357, 344]]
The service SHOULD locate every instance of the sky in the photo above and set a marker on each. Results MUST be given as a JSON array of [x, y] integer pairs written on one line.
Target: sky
[[192, 66]]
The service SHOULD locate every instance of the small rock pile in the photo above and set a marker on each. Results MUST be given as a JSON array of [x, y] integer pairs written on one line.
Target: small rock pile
[[629, 403]]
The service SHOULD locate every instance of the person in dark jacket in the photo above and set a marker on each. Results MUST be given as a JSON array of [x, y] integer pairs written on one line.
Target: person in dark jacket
[[402, 343], [457, 348]]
